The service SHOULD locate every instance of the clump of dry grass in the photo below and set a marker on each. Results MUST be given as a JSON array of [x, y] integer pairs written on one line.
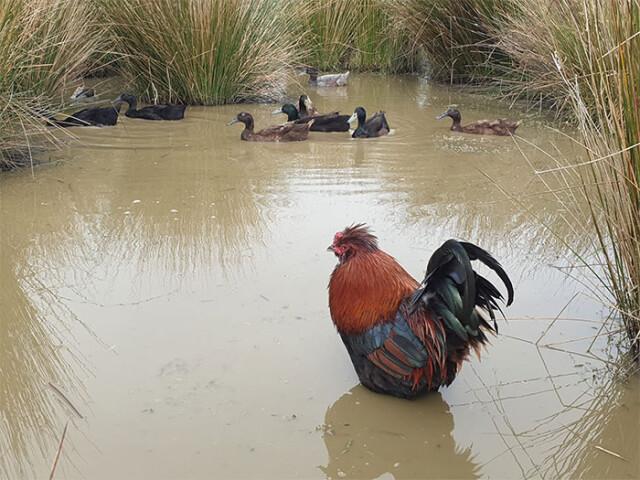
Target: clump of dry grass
[[354, 35], [21, 129], [457, 38], [204, 52], [551, 41], [45, 45]]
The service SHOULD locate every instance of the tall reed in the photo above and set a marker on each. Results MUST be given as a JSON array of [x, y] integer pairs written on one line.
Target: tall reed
[[204, 52]]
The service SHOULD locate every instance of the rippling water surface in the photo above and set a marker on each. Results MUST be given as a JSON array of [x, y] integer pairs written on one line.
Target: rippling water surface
[[163, 291]]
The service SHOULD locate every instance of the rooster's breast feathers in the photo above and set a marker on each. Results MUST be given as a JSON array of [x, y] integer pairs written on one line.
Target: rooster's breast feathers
[[367, 290]]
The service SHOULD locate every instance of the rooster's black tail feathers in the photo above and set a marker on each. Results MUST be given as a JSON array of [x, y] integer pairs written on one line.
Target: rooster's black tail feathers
[[452, 290]]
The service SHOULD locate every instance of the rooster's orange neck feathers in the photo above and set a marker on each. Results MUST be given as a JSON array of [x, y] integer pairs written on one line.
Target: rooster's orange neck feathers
[[366, 290]]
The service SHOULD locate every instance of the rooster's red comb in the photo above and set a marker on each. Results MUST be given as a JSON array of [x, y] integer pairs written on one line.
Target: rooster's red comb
[[359, 235]]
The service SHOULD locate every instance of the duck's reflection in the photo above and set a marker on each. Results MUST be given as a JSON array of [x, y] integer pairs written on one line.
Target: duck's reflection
[[368, 435]]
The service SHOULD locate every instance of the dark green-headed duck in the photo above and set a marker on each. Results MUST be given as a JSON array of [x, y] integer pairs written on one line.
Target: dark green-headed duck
[[328, 122]]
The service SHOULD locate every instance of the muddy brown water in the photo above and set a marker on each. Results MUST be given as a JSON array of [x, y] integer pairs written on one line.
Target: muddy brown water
[[163, 294]]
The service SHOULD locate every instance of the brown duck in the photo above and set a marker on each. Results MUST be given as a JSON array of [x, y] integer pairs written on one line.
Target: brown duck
[[502, 126], [289, 132]]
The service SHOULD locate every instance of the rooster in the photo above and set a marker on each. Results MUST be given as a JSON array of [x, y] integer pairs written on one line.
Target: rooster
[[406, 338]]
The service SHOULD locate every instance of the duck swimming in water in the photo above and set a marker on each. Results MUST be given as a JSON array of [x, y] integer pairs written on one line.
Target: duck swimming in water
[[328, 122], [327, 80], [152, 112], [376, 126], [88, 117], [502, 126], [289, 132]]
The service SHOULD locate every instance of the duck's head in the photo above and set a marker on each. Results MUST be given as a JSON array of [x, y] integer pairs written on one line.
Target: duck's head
[[312, 72], [305, 104], [82, 93], [289, 110], [451, 112], [126, 97], [243, 117], [359, 114]]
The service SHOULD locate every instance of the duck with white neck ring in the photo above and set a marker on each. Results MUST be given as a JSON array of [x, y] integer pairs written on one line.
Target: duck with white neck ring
[[376, 126]]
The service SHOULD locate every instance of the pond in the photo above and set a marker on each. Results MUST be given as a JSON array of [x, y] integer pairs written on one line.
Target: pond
[[164, 295]]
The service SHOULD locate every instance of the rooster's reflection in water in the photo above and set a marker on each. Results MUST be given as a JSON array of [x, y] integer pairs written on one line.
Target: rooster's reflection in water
[[368, 435]]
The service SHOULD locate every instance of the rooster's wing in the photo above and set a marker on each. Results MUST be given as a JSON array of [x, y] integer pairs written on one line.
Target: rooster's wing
[[391, 346]]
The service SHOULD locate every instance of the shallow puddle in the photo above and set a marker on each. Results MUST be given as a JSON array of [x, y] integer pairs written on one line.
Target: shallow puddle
[[163, 292]]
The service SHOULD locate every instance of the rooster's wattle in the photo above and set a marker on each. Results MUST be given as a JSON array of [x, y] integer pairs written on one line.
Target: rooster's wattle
[[406, 338]]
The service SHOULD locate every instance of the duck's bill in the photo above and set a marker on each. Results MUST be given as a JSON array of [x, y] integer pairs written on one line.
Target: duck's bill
[[117, 100], [442, 115], [277, 112], [235, 120], [353, 118]]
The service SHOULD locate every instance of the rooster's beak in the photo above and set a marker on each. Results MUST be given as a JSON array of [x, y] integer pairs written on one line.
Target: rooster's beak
[[330, 248]]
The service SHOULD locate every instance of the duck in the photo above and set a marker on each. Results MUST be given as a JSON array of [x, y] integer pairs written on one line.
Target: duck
[[376, 126], [328, 122], [306, 107], [88, 117], [83, 94], [289, 132], [502, 126], [152, 112], [327, 80]]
